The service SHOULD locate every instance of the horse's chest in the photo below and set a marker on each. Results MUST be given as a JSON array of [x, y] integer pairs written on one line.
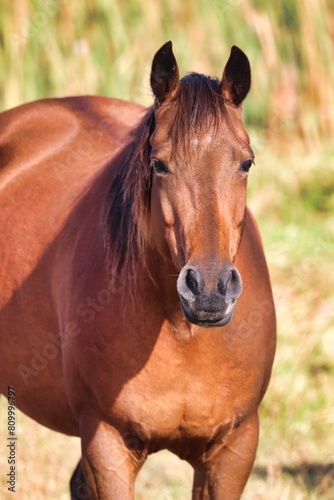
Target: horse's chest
[[178, 407]]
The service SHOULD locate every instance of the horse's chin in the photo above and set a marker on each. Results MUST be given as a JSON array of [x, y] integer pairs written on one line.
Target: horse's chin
[[206, 319]]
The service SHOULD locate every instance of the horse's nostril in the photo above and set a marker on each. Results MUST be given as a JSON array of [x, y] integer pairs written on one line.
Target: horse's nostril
[[230, 283], [234, 276], [223, 283], [192, 281]]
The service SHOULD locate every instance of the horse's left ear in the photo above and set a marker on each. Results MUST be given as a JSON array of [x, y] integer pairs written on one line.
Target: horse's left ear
[[165, 80], [236, 79]]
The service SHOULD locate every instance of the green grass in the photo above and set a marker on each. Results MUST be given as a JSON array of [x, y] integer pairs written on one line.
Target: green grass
[[298, 411]]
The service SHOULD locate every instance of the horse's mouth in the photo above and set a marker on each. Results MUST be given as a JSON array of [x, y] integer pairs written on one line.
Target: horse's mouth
[[207, 319]]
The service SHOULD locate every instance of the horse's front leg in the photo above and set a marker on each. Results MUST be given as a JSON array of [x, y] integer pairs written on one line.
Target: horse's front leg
[[223, 472], [110, 459]]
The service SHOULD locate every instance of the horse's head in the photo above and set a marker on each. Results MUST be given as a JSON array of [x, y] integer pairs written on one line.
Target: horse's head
[[200, 156]]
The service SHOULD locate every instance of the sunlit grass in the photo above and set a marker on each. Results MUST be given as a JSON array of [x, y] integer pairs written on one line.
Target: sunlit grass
[[298, 411]]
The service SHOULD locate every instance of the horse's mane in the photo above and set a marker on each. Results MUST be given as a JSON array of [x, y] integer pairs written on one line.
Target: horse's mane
[[199, 107], [127, 207]]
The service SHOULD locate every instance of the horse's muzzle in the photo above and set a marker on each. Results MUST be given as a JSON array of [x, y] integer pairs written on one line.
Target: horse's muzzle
[[208, 298]]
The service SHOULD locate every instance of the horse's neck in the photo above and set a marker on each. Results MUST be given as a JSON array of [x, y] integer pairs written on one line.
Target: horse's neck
[[158, 280]]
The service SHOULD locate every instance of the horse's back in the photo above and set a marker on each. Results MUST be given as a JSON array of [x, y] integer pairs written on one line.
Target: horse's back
[[37, 131]]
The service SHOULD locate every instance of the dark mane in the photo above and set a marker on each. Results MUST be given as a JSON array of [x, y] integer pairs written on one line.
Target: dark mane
[[199, 107], [128, 203]]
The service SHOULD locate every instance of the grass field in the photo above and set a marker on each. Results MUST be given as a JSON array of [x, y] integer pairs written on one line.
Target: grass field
[[59, 48]]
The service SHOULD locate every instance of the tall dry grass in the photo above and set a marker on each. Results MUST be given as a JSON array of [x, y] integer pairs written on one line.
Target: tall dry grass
[[61, 47]]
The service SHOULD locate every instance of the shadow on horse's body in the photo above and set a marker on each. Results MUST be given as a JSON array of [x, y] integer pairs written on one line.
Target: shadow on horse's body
[[136, 308]]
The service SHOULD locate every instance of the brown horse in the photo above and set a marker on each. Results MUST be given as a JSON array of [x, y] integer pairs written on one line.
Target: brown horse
[[136, 308]]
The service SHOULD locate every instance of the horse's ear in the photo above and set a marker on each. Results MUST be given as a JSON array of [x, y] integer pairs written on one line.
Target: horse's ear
[[165, 74], [236, 79]]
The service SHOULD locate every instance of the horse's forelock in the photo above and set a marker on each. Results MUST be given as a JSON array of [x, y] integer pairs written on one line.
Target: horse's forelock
[[199, 108]]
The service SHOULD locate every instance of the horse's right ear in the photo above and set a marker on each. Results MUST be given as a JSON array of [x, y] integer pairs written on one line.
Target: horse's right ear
[[165, 80]]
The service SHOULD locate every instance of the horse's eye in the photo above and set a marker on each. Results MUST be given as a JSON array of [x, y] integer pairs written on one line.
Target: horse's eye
[[160, 167], [246, 165]]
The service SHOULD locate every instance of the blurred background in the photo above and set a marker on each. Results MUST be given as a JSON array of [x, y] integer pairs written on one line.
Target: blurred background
[[66, 47]]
